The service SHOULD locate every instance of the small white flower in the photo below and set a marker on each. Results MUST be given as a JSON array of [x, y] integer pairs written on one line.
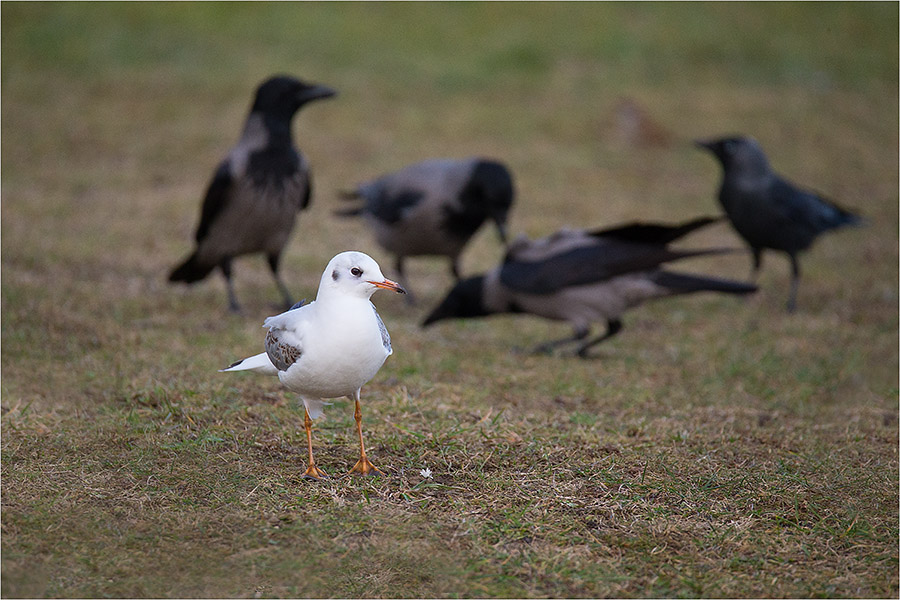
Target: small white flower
[[426, 473]]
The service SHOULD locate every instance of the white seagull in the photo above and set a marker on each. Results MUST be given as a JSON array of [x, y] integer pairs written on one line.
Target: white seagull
[[331, 347]]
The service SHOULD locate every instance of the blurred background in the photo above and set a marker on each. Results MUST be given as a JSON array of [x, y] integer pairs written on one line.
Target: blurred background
[[116, 114]]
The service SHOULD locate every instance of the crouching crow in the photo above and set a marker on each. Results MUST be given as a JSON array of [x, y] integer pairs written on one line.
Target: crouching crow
[[582, 277]]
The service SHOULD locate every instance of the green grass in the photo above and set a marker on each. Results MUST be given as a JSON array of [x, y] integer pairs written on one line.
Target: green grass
[[718, 447]]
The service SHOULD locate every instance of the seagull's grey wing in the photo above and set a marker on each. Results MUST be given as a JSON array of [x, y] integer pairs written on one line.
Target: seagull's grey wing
[[217, 195], [385, 336], [282, 352]]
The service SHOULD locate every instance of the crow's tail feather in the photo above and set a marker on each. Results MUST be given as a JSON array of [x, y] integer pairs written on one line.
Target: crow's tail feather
[[654, 233], [844, 218], [353, 194], [682, 283], [830, 215], [350, 212], [191, 270]]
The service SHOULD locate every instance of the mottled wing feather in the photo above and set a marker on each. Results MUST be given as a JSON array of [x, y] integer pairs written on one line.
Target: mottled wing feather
[[281, 353]]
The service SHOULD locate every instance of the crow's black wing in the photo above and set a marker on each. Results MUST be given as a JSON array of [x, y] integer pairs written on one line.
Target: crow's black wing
[[586, 265], [217, 195], [809, 210], [653, 233], [307, 191], [391, 208]]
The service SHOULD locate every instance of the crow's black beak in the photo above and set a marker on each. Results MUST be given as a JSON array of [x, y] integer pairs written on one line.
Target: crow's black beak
[[315, 92]]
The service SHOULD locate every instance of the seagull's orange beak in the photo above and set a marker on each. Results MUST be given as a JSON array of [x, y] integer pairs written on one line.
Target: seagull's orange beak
[[387, 284]]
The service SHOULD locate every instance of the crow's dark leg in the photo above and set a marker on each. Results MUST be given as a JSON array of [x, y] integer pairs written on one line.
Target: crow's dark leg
[[401, 276], [613, 326], [546, 347], [757, 263], [274, 260], [225, 267], [454, 268], [795, 283]]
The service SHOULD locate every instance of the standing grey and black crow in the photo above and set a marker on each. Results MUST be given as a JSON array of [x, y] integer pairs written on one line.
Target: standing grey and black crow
[[767, 210], [257, 191], [434, 207], [584, 276]]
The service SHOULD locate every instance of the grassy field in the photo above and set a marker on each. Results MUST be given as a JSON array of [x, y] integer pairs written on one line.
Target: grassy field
[[717, 447]]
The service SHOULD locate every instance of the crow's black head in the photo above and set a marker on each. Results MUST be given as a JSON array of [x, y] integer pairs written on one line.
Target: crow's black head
[[465, 300], [282, 95], [488, 194], [737, 152]]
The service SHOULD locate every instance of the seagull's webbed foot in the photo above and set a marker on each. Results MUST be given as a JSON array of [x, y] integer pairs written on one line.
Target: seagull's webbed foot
[[315, 473], [364, 467]]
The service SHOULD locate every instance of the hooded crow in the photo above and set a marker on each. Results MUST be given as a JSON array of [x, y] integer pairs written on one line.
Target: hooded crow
[[434, 207], [767, 210], [256, 192], [584, 276]]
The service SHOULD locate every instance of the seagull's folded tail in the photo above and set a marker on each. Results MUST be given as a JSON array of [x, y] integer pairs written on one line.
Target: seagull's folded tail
[[258, 364]]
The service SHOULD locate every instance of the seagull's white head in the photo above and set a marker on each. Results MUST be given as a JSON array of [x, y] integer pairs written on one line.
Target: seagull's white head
[[355, 274]]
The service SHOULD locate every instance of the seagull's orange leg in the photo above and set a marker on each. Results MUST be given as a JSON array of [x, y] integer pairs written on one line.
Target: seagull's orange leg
[[312, 472], [362, 466]]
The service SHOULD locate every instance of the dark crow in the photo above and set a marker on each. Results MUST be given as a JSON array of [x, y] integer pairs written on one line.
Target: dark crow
[[767, 210], [256, 192], [584, 276], [434, 207]]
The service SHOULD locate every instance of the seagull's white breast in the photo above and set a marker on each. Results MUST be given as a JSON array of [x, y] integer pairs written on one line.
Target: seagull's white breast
[[341, 348]]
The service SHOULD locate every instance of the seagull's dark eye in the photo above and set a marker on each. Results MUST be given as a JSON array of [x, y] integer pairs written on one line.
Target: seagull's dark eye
[[356, 271]]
